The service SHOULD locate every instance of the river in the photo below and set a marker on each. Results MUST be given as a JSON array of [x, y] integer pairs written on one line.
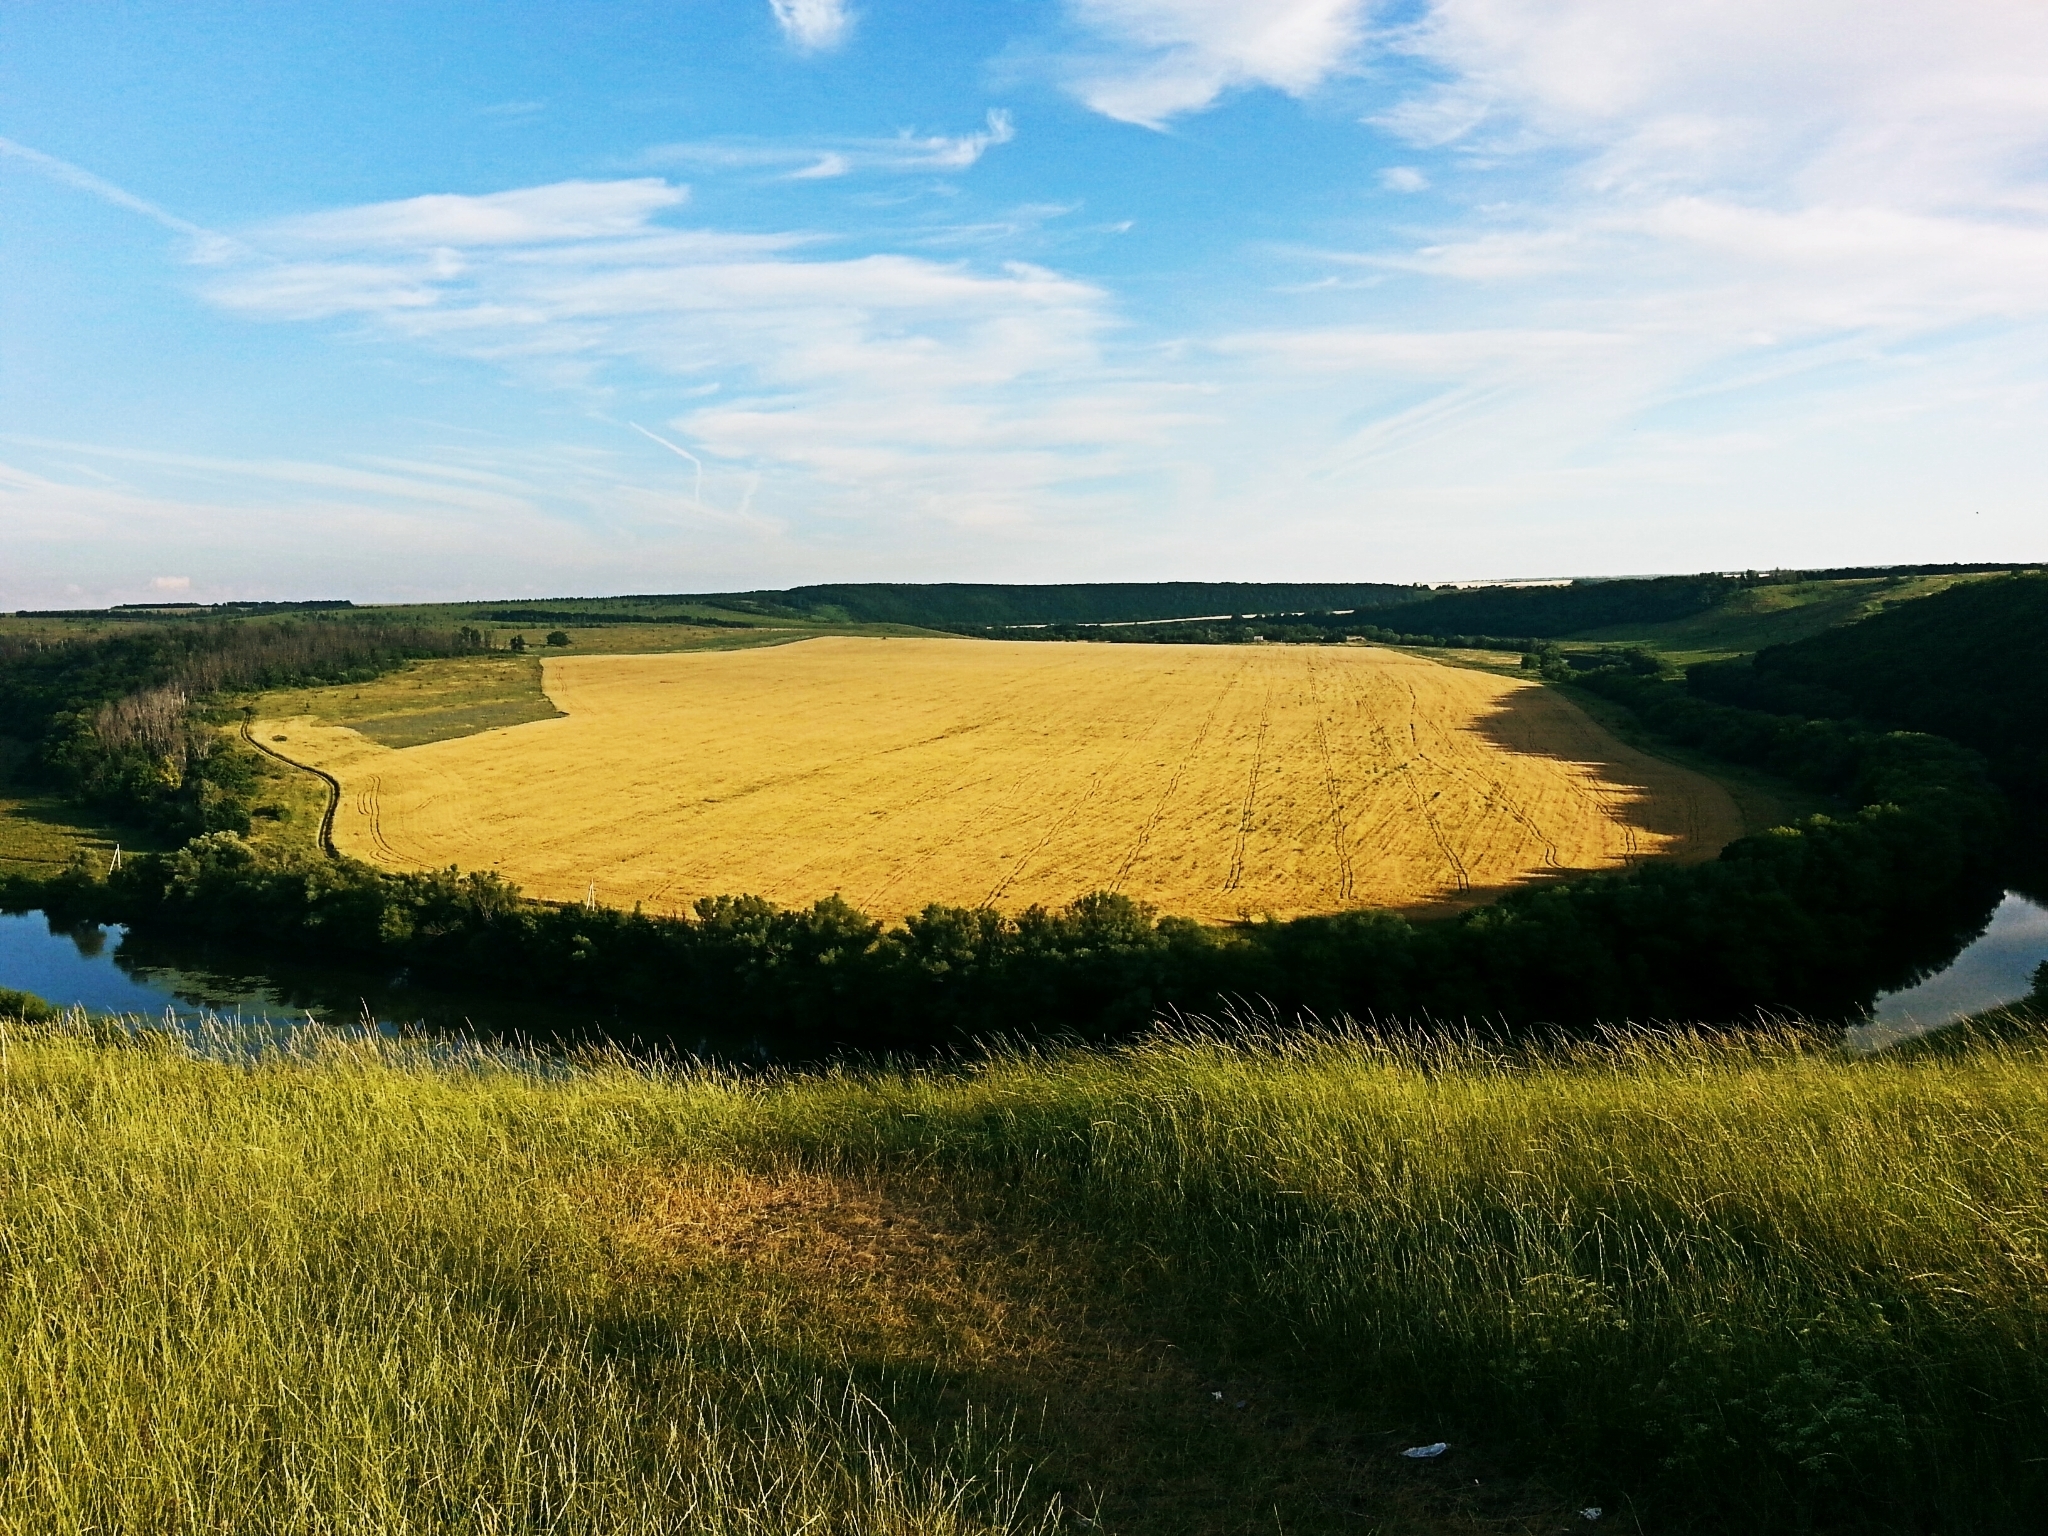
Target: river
[[108, 970]]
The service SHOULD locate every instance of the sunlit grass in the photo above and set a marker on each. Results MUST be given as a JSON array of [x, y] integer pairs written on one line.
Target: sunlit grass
[[361, 1285], [352, 1291]]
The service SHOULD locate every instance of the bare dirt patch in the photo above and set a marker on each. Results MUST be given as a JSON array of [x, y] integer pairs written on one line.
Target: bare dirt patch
[[1134, 1429]]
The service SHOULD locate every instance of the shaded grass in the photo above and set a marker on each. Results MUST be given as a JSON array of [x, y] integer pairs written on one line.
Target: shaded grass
[[1772, 615], [41, 832], [341, 1294], [360, 1285]]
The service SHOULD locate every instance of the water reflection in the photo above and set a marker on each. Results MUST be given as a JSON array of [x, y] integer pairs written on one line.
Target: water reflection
[[111, 970], [1995, 968]]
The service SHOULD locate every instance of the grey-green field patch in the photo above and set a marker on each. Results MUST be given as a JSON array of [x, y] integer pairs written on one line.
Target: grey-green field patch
[[413, 730], [429, 700]]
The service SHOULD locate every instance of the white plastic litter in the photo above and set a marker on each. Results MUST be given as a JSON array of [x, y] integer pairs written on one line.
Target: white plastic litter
[[1425, 1452], [1591, 1512], [1217, 1395]]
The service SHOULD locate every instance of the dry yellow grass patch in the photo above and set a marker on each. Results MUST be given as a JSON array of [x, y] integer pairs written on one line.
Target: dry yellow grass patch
[[901, 1277], [1213, 781]]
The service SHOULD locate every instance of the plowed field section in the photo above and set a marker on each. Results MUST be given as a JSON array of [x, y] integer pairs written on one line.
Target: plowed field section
[[1212, 781]]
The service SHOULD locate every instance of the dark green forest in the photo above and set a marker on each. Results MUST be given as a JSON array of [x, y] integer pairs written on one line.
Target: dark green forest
[[1969, 663], [970, 605], [119, 721]]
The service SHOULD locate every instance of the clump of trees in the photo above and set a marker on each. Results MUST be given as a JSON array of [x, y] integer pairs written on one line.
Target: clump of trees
[[129, 722], [1969, 663]]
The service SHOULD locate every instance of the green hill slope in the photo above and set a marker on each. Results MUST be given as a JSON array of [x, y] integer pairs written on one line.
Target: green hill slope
[[1753, 617], [1969, 663]]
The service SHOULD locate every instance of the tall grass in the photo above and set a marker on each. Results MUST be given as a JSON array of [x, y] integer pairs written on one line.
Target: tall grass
[[354, 1286], [348, 1289], [1751, 1279]]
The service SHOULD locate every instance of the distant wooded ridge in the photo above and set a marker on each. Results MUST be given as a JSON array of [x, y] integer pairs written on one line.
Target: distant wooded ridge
[[1534, 610], [1550, 609], [1503, 609], [958, 604]]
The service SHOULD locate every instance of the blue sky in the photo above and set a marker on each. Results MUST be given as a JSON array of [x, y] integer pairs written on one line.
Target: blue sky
[[412, 301]]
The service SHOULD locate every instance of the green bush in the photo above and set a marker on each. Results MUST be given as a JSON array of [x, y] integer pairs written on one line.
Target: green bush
[[24, 1005]]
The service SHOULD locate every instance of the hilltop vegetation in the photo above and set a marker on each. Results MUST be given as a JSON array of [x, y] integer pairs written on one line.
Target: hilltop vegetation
[[1970, 663], [361, 1285]]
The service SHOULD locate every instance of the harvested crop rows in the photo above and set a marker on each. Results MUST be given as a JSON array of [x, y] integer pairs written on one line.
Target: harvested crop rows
[[1212, 781]]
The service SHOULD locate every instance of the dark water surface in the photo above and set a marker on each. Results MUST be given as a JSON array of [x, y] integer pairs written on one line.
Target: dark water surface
[[1996, 967], [108, 970]]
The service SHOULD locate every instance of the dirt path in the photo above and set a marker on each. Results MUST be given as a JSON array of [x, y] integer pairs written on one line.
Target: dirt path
[[325, 835], [1119, 1412]]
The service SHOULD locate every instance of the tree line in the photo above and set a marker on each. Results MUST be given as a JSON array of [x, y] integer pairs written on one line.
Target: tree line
[[128, 722]]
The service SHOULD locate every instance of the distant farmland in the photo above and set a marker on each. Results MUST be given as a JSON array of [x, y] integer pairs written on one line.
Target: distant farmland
[[1215, 782]]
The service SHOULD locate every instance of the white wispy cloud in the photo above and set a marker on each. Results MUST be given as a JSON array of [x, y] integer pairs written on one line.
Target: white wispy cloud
[[816, 160], [813, 25], [936, 384], [566, 210], [1149, 61], [1820, 98]]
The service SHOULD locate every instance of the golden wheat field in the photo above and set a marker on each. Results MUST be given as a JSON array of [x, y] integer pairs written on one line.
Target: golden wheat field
[[1212, 781]]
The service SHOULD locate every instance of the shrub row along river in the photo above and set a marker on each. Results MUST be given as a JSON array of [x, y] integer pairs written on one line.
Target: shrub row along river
[[108, 970]]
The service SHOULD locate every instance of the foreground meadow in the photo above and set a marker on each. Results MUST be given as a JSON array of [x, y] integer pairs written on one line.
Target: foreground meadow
[[1214, 782], [356, 1285]]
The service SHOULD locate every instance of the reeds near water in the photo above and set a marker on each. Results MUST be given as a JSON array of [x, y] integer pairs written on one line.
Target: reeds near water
[[351, 1284]]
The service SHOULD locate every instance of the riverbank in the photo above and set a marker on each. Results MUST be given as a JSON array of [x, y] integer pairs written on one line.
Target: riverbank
[[1189, 1284]]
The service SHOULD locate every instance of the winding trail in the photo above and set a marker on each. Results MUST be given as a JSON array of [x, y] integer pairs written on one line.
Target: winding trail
[[326, 832]]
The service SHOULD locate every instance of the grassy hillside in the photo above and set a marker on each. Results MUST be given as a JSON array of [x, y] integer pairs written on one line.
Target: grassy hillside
[[1188, 1286], [1969, 663], [1751, 618]]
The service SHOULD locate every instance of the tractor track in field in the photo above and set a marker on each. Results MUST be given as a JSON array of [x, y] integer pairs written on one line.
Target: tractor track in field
[[1344, 879], [1422, 803], [1251, 794], [1144, 837]]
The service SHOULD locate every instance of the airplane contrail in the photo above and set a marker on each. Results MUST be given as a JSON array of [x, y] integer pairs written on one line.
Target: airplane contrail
[[209, 245], [672, 448]]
